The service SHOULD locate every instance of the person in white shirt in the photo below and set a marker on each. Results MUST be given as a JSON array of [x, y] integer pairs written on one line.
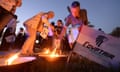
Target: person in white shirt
[[76, 19], [34, 25]]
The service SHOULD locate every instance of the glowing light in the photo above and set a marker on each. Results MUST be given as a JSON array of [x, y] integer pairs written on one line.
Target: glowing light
[[53, 54], [47, 51], [37, 41], [11, 59]]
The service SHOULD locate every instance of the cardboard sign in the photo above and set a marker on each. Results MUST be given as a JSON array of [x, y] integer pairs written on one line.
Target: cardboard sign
[[98, 47]]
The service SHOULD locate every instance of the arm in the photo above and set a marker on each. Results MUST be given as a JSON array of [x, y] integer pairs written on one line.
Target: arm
[[44, 31], [45, 20], [64, 30]]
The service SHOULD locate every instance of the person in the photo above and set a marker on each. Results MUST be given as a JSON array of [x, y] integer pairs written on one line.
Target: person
[[7, 11], [56, 38], [34, 24], [51, 30], [100, 29], [20, 39], [76, 19], [58, 27], [47, 43], [8, 37], [63, 45], [13, 23], [8, 40]]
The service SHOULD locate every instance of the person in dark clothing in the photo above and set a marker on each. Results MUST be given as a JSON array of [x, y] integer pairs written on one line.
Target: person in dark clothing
[[58, 27], [61, 43], [8, 39], [20, 39], [5, 17], [7, 12]]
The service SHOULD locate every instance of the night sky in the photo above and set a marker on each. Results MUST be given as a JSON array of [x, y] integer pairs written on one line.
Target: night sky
[[101, 13]]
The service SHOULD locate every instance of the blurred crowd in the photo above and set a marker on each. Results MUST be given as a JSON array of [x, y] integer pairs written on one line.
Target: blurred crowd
[[39, 33], [53, 39]]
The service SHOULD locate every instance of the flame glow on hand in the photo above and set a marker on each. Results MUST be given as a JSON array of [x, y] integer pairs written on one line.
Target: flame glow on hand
[[11, 59]]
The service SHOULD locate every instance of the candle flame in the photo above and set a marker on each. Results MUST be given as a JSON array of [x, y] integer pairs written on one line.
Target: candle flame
[[11, 59], [51, 54], [47, 51]]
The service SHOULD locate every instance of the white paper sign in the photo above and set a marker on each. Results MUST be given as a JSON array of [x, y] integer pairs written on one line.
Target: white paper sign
[[44, 32], [98, 47]]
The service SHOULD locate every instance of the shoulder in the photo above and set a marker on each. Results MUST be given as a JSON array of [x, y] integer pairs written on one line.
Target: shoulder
[[40, 14], [69, 16]]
